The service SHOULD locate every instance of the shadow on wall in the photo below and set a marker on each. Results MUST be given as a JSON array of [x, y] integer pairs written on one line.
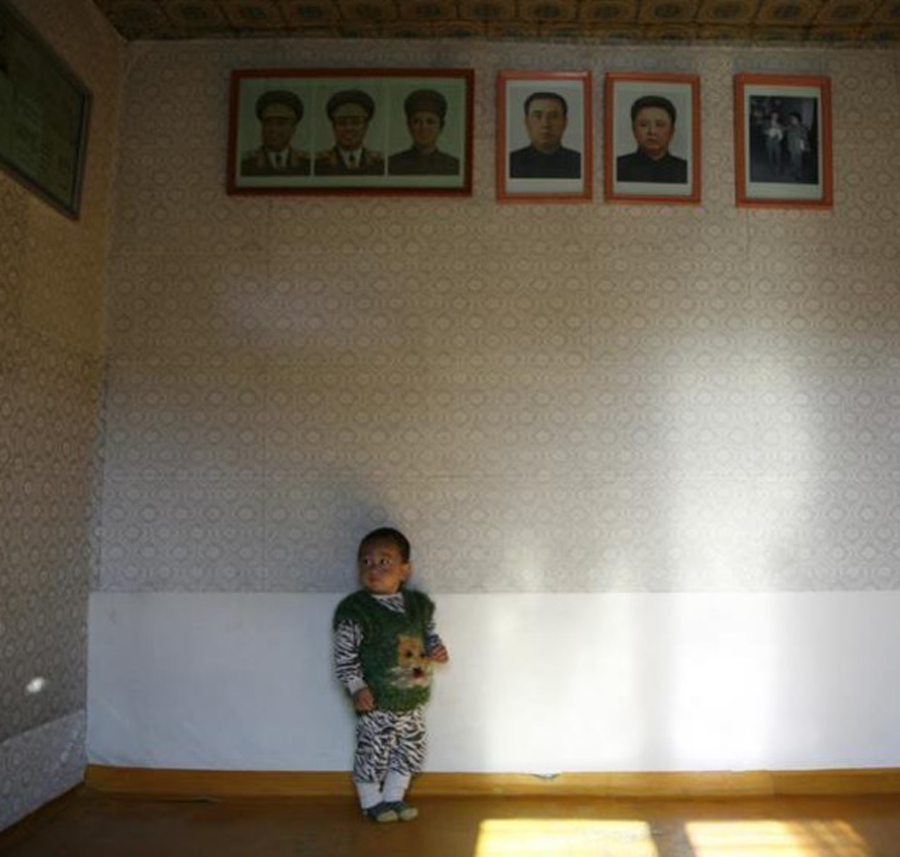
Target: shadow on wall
[[314, 526]]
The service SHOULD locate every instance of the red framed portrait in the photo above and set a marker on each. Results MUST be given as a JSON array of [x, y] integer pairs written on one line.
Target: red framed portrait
[[652, 137], [782, 136], [544, 136]]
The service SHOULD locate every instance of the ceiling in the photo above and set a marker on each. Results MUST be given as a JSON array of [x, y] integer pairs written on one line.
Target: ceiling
[[745, 21]]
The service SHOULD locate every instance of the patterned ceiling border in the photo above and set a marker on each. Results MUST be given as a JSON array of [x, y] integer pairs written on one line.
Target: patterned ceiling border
[[749, 21]]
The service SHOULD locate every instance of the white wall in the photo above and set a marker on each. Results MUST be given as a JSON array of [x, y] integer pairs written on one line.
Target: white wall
[[536, 683], [606, 410]]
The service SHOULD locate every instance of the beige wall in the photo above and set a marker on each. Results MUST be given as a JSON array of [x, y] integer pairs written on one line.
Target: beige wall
[[52, 290], [563, 398]]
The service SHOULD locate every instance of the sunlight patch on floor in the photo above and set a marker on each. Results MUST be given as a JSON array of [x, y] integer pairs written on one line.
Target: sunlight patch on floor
[[775, 839], [552, 837]]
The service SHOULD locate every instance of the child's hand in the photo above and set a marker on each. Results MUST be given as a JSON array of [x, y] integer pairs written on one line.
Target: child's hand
[[440, 654], [363, 700]]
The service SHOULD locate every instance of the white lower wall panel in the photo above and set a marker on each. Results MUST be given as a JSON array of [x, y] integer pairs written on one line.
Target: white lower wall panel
[[536, 683]]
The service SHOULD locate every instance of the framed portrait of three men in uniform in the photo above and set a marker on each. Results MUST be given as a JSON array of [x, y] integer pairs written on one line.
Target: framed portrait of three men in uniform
[[351, 130]]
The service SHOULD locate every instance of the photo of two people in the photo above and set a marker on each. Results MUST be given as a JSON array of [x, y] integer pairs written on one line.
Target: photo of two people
[[783, 141]]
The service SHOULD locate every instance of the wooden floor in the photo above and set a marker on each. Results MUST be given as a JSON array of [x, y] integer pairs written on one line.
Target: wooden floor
[[86, 823]]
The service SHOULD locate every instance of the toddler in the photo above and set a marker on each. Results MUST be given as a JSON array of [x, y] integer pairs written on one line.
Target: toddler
[[384, 645]]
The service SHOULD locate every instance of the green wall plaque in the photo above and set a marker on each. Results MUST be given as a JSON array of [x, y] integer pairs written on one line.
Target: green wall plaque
[[44, 112]]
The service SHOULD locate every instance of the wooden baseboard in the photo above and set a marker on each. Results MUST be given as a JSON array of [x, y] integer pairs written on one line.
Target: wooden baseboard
[[707, 784]]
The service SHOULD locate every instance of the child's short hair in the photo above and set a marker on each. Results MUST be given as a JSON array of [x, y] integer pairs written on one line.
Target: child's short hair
[[387, 534]]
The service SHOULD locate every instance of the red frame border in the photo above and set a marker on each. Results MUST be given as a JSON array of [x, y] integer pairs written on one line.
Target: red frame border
[[587, 153], [693, 80], [742, 200]]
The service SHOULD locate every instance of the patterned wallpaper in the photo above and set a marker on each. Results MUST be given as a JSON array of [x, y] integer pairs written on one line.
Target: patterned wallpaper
[[52, 282], [41, 764], [559, 398], [49, 404]]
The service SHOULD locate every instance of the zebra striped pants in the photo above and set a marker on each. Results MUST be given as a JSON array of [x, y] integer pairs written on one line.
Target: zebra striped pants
[[389, 740]]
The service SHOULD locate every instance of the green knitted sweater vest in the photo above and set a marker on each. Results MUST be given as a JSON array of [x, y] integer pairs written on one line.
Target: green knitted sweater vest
[[394, 663]]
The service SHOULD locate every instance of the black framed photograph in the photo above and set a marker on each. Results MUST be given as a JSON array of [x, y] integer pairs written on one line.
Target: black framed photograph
[[544, 137], [351, 131], [44, 116], [783, 141], [652, 135]]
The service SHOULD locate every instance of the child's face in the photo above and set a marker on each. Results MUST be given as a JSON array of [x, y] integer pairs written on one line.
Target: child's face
[[381, 568]]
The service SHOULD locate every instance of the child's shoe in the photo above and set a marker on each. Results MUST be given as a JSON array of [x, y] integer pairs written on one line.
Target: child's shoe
[[403, 810], [382, 812]]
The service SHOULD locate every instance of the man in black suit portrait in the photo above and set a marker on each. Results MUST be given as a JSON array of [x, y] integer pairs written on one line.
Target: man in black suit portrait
[[653, 125], [350, 112], [279, 112], [546, 117]]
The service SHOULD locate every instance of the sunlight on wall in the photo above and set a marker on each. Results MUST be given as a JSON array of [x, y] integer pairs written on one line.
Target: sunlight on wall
[[738, 442], [553, 661], [723, 687], [526, 560], [734, 517], [775, 839], [604, 691], [549, 837]]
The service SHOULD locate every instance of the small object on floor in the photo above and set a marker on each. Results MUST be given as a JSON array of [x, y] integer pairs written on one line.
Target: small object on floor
[[404, 811], [382, 813]]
